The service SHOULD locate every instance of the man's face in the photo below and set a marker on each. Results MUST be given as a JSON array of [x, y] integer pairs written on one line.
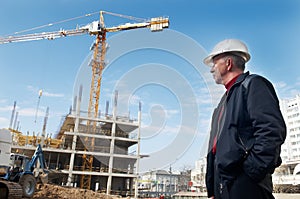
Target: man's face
[[219, 68]]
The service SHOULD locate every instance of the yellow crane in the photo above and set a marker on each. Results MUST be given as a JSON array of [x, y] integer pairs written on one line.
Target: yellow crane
[[98, 29]]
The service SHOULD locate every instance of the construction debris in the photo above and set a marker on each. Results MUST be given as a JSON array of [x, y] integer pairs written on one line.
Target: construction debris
[[49, 191], [286, 188]]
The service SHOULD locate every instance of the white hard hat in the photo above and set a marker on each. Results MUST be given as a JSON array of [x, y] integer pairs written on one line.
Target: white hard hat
[[233, 46]]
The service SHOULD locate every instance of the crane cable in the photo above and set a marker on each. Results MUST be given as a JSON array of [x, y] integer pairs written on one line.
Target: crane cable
[[54, 23], [79, 17], [125, 16]]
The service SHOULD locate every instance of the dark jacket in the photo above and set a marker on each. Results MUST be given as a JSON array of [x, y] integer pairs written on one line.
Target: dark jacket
[[250, 133]]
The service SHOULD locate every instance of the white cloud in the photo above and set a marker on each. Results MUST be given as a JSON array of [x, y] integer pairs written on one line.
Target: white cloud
[[48, 94], [286, 91], [31, 88], [172, 112], [44, 92], [279, 85], [6, 108], [30, 112]]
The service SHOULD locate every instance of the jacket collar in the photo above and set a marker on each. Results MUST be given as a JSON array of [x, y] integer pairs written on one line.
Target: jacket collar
[[239, 80]]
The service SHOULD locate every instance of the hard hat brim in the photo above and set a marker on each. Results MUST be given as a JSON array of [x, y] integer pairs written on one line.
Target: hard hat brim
[[209, 59]]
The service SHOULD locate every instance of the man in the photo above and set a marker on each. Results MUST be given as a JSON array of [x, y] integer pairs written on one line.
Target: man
[[247, 128]]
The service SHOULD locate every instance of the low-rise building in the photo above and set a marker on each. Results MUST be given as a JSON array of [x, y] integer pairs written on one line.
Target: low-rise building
[[158, 182], [198, 176]]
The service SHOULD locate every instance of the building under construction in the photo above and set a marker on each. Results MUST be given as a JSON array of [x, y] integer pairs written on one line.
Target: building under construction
[[92, 151], [101, 153]]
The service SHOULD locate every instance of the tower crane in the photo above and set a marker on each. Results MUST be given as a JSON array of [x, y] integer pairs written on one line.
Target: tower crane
[[98, 29]]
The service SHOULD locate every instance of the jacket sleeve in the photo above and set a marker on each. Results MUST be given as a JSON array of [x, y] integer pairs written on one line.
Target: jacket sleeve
[[269, 129], [210, 159], [209, 177]]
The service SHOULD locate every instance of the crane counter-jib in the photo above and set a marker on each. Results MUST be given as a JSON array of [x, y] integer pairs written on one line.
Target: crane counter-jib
[[156, 24]]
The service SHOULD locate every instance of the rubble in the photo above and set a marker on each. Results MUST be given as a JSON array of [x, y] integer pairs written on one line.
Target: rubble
[[286, 188], [49, 191]]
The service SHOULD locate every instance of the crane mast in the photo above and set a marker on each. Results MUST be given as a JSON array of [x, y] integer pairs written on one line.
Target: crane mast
[[97, 64]]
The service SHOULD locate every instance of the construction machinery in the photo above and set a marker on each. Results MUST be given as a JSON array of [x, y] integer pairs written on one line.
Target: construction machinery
[[98, 29], [19, 173]]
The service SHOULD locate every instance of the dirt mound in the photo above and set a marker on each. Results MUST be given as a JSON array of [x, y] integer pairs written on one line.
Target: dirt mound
[[286, 188], [49, 191]]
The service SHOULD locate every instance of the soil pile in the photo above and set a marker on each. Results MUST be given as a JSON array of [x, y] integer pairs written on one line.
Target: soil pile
[[49, 191], [286, 188]]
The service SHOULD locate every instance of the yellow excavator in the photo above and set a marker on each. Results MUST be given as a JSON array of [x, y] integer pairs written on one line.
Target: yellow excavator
[[19, 173]]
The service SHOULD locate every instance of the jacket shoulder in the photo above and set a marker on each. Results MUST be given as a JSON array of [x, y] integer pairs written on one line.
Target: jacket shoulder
[[247, 80], [254, 77]]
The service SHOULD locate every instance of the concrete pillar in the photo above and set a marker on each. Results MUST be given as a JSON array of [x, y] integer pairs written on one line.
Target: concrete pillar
[[49, 160], [57, 161], [12, 115], [76, 128], [44, 127], [138, 152], [112, 145]]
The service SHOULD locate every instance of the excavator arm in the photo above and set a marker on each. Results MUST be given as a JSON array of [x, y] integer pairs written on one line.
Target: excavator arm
[[38, 155], [40, 170]]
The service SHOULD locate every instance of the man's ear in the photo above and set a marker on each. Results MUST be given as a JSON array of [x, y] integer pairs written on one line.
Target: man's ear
[[229, 64]]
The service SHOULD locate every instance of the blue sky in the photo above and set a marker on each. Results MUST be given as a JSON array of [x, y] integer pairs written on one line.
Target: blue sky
[[269, 28]]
